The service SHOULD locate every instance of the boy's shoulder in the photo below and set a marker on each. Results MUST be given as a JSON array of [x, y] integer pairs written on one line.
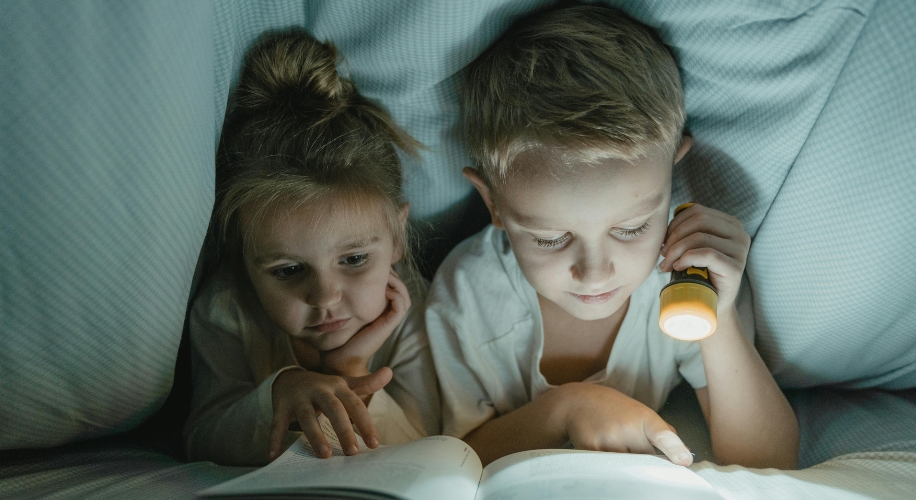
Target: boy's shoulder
[[480, 282], [483, 259]]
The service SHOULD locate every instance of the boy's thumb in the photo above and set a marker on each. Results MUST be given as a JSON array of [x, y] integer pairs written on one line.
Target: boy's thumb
[[369, 384]]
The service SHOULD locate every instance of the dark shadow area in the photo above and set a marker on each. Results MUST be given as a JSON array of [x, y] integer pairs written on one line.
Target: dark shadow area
[[709, 176], [438, 235]]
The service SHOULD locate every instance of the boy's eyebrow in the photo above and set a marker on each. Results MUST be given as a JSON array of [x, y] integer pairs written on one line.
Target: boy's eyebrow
[[645, 208]]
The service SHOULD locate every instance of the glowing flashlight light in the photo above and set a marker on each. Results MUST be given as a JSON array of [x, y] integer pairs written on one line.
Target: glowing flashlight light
[[688, 302]]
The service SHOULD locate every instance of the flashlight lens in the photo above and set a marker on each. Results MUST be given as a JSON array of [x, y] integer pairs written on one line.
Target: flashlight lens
[[687, 327]]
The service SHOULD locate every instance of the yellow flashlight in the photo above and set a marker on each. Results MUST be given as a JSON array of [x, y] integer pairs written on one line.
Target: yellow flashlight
[[688, 302]]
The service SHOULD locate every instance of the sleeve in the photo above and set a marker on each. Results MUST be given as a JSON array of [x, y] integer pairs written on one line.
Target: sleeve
[[690, 363], [230, 412], [465, 402], [408, 408]]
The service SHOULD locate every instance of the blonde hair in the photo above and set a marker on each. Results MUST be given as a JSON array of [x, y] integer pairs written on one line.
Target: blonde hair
[[587, 82], [297, 132]]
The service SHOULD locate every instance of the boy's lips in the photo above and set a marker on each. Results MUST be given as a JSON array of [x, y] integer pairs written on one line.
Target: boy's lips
[[595, 299], [329, 326]]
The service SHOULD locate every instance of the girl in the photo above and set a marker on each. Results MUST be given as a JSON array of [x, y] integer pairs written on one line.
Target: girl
[[305, 307]]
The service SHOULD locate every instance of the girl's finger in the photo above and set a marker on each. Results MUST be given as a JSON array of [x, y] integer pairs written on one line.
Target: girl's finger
[[359, 414], [308, 421], [278, 426], [340, 420], [370, 384]]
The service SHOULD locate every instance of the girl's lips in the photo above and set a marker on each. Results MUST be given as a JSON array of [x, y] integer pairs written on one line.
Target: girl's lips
[[329, 326], [595, 299]]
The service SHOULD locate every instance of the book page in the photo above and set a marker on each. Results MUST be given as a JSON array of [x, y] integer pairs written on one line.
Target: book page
[[559, 474], [438, 467]]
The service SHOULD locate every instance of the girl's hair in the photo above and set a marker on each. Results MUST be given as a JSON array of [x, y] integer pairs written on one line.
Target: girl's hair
[[296, 132]]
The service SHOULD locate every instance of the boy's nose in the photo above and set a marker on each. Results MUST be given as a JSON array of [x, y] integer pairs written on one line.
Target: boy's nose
[[593, 268], [322, 292]]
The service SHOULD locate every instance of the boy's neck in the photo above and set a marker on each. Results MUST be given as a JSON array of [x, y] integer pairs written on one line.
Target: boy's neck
[[576, 349]]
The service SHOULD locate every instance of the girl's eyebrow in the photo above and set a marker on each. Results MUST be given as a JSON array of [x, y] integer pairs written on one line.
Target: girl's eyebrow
[[358, 243], [271, 257]]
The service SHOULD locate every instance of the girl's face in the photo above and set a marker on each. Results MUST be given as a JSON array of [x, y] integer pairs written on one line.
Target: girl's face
[[320, 271]]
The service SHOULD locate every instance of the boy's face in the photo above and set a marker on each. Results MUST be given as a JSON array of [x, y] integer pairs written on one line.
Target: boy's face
[[585, 236]]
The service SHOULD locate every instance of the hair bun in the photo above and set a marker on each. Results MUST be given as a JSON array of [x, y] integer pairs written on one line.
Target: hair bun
[[292, 69]]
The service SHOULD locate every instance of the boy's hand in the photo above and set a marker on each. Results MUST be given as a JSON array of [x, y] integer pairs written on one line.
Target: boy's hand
[[300, 395], [703, 237], [599, 418], [352, 358]]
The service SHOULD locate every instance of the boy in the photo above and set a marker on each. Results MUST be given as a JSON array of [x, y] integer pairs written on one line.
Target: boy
[[544, 326]]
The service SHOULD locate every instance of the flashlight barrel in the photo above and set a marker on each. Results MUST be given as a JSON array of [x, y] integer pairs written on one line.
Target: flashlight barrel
[[688, 303]]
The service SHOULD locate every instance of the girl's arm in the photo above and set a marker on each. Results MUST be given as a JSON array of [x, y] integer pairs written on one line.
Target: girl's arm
[[750, 421]]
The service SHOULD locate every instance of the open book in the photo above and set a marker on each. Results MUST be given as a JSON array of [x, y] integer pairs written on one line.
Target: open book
[[445, 468]]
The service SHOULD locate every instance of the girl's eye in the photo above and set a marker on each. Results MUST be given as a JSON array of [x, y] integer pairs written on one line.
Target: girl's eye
[[287, 272], [634, 233], [357, 260], [551, 243]]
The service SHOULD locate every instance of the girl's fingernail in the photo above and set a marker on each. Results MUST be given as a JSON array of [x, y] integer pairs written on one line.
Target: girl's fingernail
[[373, 442], [352, 450], [683, 457], [272, 455], [664, 249], [323, 450]]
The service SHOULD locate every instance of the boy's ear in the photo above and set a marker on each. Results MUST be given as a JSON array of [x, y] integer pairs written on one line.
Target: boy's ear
[[403, 212], [482, 188], [686, 142]]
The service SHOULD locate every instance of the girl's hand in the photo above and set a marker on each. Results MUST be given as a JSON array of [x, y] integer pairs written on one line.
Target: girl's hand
[[301, 396], [703, 237], [596, 417], [352, 358]]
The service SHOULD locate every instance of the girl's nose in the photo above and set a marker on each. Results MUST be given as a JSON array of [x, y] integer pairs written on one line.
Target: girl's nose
[[322, 292]]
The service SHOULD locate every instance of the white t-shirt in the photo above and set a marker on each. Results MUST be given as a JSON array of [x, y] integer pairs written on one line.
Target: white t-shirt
[[235, 359], [487, 338]]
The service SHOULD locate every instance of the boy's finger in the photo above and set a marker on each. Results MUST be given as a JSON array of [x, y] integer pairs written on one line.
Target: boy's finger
[[699, 241], [359, 414], [669, 443], [340, 420], [372, 383], [715, 223], [308, 421]]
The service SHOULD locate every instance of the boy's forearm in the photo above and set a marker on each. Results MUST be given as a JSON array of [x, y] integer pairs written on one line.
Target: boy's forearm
[[750, 420], [533, 426]]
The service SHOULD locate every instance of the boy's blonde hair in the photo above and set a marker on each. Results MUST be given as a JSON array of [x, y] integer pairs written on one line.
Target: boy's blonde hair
[[587, 82], [298, 132]]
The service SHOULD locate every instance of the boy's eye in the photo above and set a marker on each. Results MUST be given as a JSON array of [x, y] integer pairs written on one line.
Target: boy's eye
[[555, 242], [355, 260], [287, 272], [633, 233]]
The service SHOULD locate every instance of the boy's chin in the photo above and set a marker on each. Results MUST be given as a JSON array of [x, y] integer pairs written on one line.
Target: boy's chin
[[588, 312]]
